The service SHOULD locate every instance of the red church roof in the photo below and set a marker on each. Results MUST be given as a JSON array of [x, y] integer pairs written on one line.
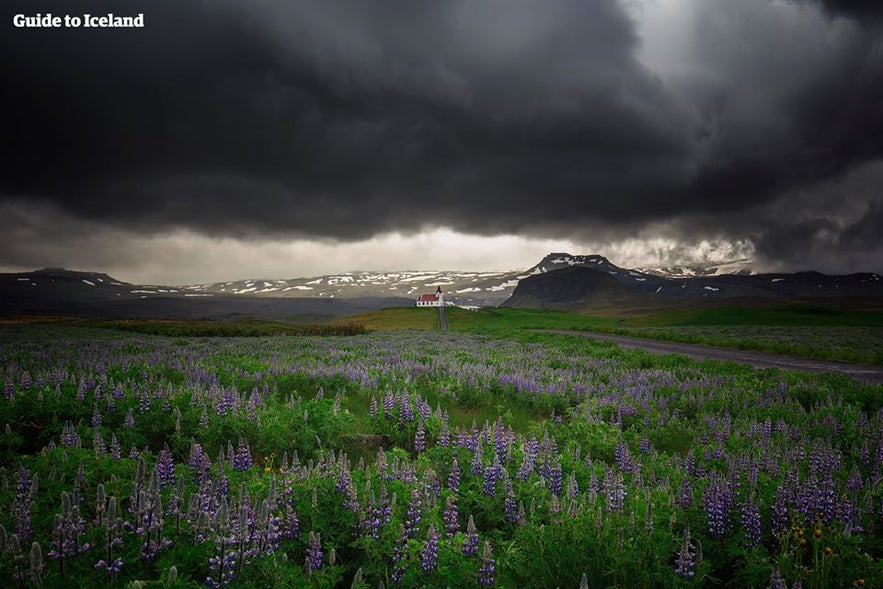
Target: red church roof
[[428, 297]]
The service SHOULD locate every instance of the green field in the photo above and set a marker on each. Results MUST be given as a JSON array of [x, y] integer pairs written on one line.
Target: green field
[[810, 331], [414, 458], [782, 315], [485, 319], [817, 332]]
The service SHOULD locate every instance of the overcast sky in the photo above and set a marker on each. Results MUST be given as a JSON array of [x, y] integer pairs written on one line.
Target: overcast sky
[[284, 138]]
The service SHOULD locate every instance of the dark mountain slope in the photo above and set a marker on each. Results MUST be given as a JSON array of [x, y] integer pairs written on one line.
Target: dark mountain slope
[[572, 287]]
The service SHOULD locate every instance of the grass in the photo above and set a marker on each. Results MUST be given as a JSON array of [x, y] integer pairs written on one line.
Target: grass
[[481, 320], [784, 315], [610, 422], [810, 331], [856, 345], [239, 328]]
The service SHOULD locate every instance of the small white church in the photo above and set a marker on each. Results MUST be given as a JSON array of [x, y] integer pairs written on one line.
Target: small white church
[[432, 300]]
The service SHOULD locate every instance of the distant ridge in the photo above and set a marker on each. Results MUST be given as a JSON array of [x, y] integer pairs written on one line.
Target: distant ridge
[[557, 285], [588, 278]]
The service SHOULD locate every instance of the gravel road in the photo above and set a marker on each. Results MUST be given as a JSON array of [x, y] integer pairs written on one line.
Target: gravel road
[[861, 372]]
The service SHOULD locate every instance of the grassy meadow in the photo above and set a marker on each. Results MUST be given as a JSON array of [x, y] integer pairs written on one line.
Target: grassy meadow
[[486, 456], [816, 332]]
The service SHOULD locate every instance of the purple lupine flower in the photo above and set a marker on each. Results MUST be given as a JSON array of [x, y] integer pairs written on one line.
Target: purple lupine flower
[[290, 524], [414, 514], [470, 542], [572, 486], [242, 457], [149, 519], [718, 500], [266, 533], [594, 484], [685, 493], [486, 568], [116, 452], [406, 411], [854, 482], [165, 468], [26, 493], [826, 502], [614, 490], [776, 580], [451, 517], [555, 479], [80, 478], [477, 466], [751, 523], [222, 564], [623, 458], [385, 507], [454, 477], [470, 440], [81, 391], [429, 553], [144, 402], [69, 436], [500, 439], [314, 553], [98, 443], [693, 467], [67, 533], [546, 468], [420, 438], [444, 434], [423, 408], [489, 486], [388, 405], [399, 556], [782, 499], [113, 538], [528, 461], [372, 518], [511, 507], [129, 419], [135, 497], [372, 408], [97, 419], [344, 481], [176, 503], [685, 563]]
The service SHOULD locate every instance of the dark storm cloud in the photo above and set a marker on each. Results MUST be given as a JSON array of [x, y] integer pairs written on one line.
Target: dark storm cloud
[[861, 8], [344, 119], [341, 120]]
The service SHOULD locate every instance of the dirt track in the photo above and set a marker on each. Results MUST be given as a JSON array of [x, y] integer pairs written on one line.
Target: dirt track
[[861, 372]]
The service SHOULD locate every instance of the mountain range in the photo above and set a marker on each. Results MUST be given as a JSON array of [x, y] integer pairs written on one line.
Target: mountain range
[[593, 282], [559, 280]]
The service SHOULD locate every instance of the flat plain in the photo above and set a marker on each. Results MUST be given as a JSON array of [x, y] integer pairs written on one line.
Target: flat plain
[[413, 457]]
